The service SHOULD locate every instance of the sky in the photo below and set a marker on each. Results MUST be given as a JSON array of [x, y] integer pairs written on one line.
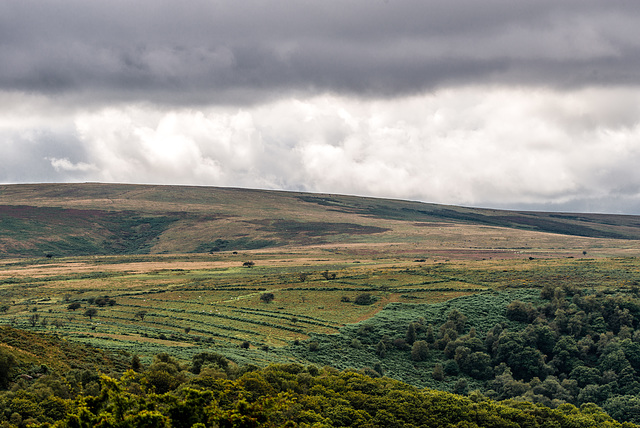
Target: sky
[[513, 104]]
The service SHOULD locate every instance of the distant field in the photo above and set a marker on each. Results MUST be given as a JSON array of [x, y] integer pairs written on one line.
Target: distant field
[[144, 304]]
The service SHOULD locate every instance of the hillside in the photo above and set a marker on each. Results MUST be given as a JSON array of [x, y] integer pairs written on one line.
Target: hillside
[[110, 219], [540, 307]]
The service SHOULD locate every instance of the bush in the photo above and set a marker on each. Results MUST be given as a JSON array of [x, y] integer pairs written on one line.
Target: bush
[[73, 306], [364, 299], [267, 297]]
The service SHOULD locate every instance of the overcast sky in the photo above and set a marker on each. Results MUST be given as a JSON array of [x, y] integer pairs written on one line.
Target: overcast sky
[[515, 104]]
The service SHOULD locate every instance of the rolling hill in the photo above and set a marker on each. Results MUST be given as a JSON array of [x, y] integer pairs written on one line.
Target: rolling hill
[[110, 219]]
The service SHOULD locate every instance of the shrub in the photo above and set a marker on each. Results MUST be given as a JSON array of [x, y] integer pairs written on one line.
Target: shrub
[[364, 299], [328, 276], [267, 297], [73, 306], [401, 344]]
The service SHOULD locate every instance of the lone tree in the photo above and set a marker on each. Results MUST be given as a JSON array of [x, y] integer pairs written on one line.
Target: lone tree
[[267, 297], [248, 264], [91, 312], [141, 315]]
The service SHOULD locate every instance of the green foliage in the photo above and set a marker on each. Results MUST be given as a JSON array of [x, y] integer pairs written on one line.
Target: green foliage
[[267, 297], [279, 395], [419, 351]]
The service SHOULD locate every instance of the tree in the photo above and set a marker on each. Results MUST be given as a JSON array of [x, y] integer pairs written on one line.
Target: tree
[[381, 349], [91, 312], [73, 306], [419, 351], [458, 319], [328, 276], [141, 315], [430, 335], [7, 361], [478, 365], [267, 297], [248, 264], [33, 319], [411, 334], [438, 372], [136, 365], [520, 311]]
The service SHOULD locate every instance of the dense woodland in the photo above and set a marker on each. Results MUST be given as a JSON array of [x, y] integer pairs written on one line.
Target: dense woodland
[[212, 391]]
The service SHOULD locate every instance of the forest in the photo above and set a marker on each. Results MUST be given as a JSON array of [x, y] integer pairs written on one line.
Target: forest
[[212, 391]]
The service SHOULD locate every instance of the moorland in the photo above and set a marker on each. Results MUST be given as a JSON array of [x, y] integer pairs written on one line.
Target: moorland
[[279, 298]]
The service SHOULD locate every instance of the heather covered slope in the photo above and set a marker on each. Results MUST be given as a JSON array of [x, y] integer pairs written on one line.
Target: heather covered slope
[[90, 218]]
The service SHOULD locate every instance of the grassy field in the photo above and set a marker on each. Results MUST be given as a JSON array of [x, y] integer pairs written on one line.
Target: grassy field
[[186, 303], [163, 267]]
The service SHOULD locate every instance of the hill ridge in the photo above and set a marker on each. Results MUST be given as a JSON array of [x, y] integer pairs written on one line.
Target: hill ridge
[[97, 218]]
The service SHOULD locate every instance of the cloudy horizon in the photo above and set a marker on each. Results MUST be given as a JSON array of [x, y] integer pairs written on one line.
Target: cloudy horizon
[[503, 104]]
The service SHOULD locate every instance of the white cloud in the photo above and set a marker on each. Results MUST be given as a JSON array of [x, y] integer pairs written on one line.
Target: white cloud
[[483, 145], [66, 165]]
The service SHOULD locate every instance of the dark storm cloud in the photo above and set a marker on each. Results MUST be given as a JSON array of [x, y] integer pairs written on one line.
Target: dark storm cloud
[[208, 51]]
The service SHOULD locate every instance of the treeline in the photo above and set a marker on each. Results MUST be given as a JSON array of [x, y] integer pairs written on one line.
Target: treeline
[[212, 391], [570, 346]]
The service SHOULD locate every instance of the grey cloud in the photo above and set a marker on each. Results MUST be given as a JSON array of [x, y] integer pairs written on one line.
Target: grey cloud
[[229, 52], [31, 156]]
